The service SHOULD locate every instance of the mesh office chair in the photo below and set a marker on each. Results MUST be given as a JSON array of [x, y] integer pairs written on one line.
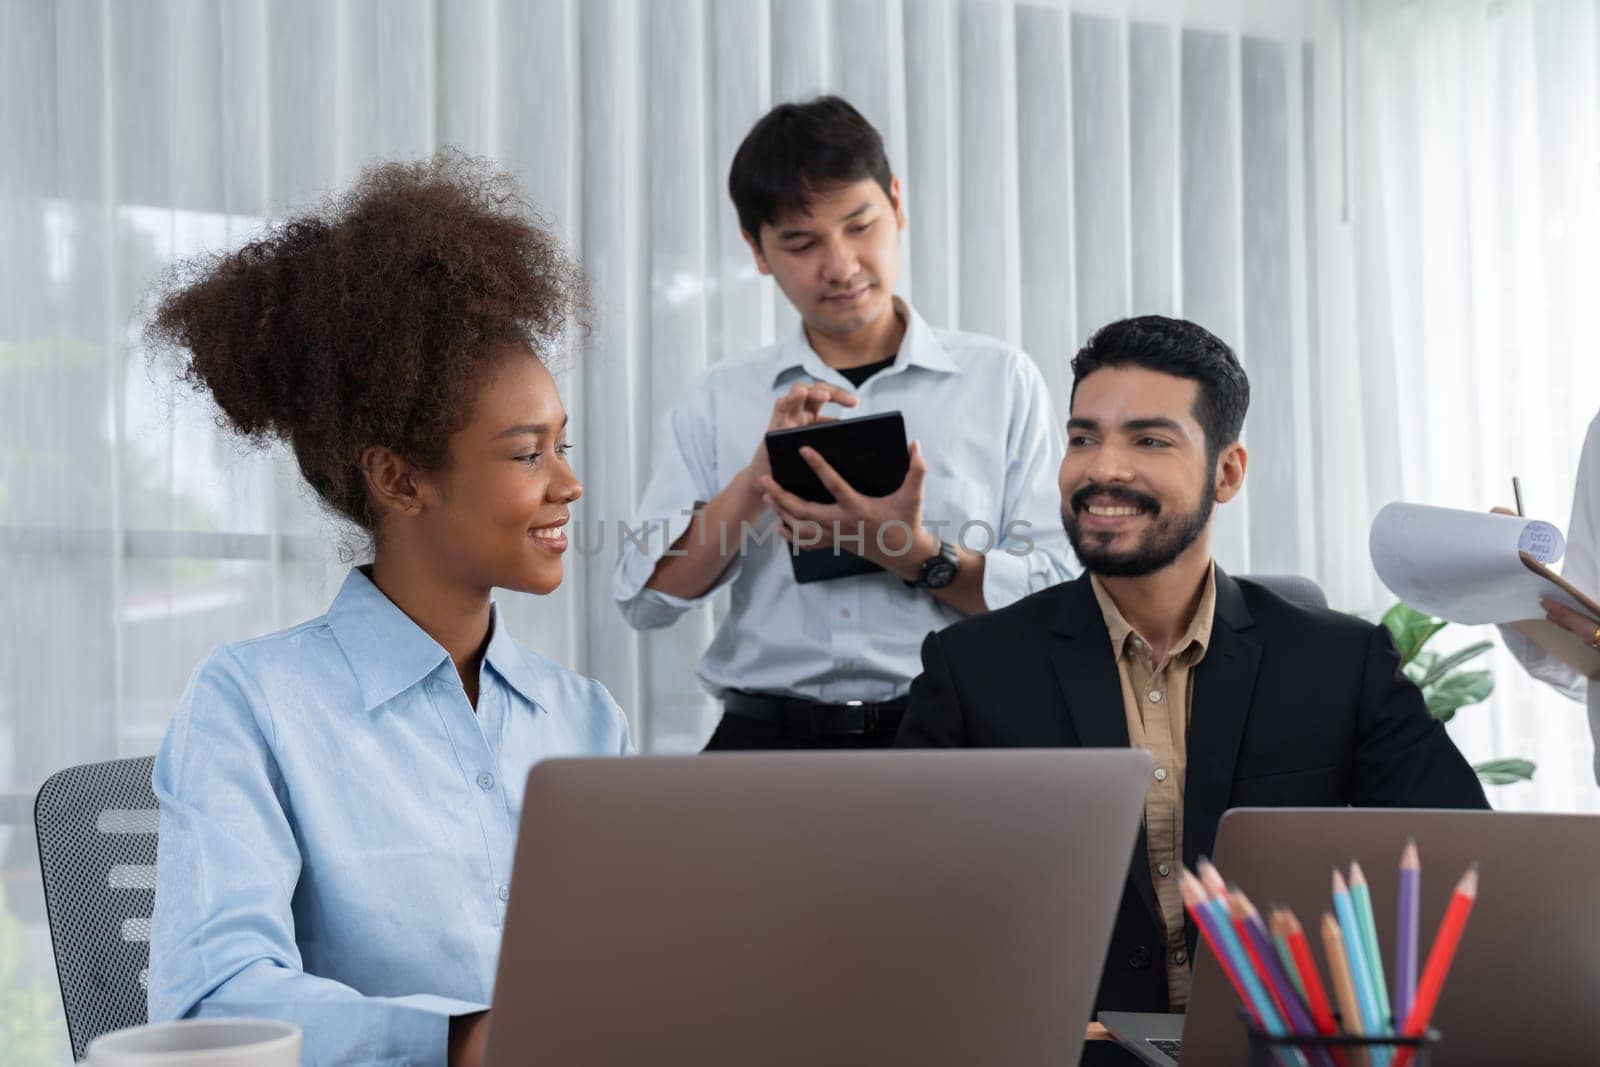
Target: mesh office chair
[[97, 853]]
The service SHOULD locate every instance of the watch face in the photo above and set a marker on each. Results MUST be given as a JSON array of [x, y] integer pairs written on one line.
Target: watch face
[[941, 572]]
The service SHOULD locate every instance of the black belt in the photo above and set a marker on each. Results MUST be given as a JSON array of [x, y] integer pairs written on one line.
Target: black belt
[[851, 717]]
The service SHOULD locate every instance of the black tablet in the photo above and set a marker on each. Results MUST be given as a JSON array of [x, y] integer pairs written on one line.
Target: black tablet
[[869, 452]]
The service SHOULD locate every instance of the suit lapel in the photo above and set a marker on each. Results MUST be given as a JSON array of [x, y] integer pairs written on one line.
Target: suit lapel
[[1224, 687], [1092, 691], [1086, 670]]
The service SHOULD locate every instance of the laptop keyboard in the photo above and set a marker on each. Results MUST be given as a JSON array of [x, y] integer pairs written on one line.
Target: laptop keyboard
[[1167, 1045]]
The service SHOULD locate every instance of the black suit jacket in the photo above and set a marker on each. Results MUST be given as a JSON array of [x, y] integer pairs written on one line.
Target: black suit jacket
[[1290, 707]]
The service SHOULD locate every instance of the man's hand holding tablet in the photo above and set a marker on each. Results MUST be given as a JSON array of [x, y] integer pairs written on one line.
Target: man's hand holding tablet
[[856, 489]]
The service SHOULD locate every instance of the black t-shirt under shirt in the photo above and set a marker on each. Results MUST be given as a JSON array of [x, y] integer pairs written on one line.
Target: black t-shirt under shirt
[[858, 375]]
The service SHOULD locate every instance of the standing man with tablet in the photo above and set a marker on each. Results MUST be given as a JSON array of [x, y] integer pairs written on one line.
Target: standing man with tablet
[[973, 526]]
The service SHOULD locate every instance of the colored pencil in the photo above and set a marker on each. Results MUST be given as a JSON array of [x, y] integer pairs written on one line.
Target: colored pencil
[[1361, 897], [1440, 956], [1211, 878], [1247, 920], [1257, 998], [1210, 915], [1343, 987], [1405, 937], [1310, 978], [1280, 941], [1356, 956], [1253, 957], [1254, 932], [1196, 903]]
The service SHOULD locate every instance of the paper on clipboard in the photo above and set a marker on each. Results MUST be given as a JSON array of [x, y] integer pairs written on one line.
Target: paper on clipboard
[[1474, 567], [1465, 566]]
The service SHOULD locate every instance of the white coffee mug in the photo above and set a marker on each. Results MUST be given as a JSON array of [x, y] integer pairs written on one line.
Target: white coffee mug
[[200, 1043]]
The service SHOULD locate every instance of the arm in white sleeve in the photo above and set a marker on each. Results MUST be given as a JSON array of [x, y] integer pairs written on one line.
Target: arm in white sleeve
[[1579, 568], [1031, 550], [222, 940], [685, 472]]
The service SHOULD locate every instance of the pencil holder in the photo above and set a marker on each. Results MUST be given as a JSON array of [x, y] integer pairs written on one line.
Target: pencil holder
[[1340, 1050]]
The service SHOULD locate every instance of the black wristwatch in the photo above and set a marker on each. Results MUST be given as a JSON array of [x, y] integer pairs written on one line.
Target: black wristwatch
[[939, 571]]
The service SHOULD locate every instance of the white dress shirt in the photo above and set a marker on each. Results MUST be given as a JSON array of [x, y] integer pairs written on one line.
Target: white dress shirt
[[988, 431], [1579, 569]]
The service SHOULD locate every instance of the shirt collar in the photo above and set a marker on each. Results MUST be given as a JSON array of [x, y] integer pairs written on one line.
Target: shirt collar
[[1188, 649], [919, 348], [390, 653], [509, 661]]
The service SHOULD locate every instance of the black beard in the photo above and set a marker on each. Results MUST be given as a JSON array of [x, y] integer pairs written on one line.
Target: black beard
[[1163, 542]]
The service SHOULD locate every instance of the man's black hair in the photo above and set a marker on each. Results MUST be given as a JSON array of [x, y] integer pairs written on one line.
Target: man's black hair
[[798, 150], [1182, 349]]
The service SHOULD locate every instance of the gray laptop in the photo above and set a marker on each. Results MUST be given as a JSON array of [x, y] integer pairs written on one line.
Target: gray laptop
[[811, 908], [1526, 980]]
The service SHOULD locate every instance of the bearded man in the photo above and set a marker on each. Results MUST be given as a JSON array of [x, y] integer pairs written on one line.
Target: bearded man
[[1243, 698]]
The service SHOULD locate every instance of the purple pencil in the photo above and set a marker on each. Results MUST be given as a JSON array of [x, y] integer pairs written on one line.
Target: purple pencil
[[1249, 920], [1405, 956]]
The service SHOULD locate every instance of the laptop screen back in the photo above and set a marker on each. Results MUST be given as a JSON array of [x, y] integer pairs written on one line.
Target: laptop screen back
[[808, 908]]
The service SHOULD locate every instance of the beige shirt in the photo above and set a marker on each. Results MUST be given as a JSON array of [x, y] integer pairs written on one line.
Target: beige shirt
[[1157, 698]]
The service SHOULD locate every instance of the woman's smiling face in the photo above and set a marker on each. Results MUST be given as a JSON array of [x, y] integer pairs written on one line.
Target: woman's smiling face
[[494, 516]]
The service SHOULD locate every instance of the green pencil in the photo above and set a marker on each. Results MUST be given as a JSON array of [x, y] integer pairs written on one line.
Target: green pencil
[[1280, 941], [1361, 897]]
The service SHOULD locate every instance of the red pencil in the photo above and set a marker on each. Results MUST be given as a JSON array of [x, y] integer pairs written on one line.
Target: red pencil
[[1194, 898], [1440, 957], [1243, 928], [1316, 994]]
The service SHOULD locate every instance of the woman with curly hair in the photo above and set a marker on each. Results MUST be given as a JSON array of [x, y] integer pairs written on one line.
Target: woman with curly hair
[[339, 800]]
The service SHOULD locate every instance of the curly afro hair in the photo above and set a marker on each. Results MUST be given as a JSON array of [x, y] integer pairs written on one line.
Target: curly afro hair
[[371, 320]]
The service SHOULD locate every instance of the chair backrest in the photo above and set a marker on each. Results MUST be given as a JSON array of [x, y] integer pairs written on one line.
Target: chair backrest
[[97, 853], [1293, 588]]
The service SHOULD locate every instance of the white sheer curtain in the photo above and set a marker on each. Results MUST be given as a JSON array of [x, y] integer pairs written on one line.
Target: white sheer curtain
[[1065, 164], [1476, 259]]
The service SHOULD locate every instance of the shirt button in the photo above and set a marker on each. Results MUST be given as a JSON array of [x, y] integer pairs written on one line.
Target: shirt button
[[844, 613], [1155, 696], [504, 893], [485, 780], [1164, 869], [1161, 774], [1180, 956], [1137, 643]]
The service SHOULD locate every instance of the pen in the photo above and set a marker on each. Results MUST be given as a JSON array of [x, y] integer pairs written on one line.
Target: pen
[[1516, 491]]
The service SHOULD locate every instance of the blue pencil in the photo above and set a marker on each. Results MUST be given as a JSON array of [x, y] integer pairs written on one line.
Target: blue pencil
[[1222, 929], [1350, 927], [1222, 932], [1361, 897], [1249, 925]]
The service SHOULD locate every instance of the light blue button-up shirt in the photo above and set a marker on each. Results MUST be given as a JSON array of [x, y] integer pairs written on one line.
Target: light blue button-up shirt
[[337, 826], [993, 447]]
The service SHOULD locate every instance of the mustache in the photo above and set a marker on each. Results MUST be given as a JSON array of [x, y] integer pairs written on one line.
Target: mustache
[[851, 286], [1121, 494]]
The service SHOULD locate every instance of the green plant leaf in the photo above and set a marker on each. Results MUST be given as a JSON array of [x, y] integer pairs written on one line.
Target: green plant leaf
[[1445, 687], [1439, 667], [1504, 771], [1419, 667], [1456, 691], [1410, 629]]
